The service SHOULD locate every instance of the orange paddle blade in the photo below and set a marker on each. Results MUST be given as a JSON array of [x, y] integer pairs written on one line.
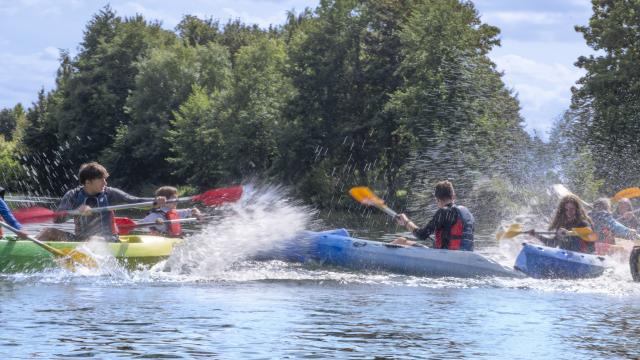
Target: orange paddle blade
[[629, 193], [364, 195]]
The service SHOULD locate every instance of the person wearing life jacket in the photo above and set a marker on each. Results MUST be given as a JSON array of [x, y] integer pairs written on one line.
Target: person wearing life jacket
[[452, 224], [607, 228], [569, 214], [93, 192], [8, 218], [625, 215], [167, 215]]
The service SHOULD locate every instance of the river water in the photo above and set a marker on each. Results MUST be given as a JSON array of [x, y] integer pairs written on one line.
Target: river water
[[208, 301]]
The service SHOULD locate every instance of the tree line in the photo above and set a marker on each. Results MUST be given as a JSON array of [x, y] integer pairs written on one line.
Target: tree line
[[393, 94]]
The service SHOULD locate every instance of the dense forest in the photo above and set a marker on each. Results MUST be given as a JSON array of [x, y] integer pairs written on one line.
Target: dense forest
[[394, 94]]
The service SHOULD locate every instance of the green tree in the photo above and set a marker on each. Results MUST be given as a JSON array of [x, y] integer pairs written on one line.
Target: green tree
[[606, 102], [8, 123], [260, 92], [198, 143], [102, 76], [195, 31], [12, 174], [453, 105], [164, 82]]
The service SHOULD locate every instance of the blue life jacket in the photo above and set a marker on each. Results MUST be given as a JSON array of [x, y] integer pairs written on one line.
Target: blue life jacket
[[106, 217], [468, 222]]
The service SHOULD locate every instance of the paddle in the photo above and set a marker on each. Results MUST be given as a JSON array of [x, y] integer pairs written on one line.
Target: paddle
[[31, 199], [68, 258], [562, 191], [125, 225], [629, 193], [365, 196], [514, 230], [213, 197]]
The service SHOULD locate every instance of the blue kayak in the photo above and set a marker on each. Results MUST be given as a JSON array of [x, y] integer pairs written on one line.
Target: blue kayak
[[337, 248], [543, 262]]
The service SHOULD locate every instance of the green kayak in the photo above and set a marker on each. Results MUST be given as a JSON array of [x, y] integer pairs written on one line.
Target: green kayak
[[131, 251]]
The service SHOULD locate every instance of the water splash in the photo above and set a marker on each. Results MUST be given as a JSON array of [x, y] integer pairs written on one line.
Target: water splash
[[264, 218]]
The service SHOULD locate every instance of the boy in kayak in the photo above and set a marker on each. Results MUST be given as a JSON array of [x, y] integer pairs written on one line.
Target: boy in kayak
[[93, 192], [7, 217], [606, 226], [452, 224], [164, 214], [625, 215], [569, 214]]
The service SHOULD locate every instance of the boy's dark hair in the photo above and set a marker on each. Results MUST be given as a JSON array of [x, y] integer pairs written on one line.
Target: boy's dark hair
[[90, 171], [167, 191], [444, 190]]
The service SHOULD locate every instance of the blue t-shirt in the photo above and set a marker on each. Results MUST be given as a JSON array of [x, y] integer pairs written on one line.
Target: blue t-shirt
[[7, 215]]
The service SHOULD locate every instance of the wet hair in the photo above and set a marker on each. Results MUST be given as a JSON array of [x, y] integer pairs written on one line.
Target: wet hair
[[91, 171], [602, 204], [560, 217], [444, 190], [167, 191]]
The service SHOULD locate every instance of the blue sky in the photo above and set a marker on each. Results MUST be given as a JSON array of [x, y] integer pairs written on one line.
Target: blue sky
[[539, 44]]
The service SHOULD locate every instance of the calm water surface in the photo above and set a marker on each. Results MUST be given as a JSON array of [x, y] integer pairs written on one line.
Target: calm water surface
[[208, 302]]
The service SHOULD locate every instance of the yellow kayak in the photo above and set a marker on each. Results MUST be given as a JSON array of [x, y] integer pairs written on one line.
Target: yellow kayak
[[132, 250]]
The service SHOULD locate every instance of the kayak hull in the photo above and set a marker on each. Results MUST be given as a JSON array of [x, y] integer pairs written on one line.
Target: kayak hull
[[131, 251], [337, 248], [543, 262]]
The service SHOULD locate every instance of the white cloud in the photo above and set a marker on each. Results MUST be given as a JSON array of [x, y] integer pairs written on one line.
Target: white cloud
[[524, 17], [585, 4], [262, 21], [22, 75], [38, 7], [133, 8], [554, 74], [543, 88]]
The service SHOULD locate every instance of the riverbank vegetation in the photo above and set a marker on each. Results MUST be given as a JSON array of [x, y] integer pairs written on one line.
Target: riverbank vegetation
[[392, 94]]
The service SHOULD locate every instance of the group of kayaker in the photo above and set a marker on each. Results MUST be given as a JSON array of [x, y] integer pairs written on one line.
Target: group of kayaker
[[92, 193], [453, 224], [600, 223]]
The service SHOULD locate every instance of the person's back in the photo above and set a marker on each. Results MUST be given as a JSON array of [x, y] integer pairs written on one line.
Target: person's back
[[453, 225], [468, 224]]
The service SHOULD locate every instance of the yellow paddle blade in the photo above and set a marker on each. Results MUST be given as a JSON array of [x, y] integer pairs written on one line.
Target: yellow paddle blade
[[364, 195], [629, 193], [512, 231], [75, 257], [584, 233]]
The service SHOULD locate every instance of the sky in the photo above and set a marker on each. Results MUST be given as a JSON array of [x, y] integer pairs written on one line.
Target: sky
[[539, 43]]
